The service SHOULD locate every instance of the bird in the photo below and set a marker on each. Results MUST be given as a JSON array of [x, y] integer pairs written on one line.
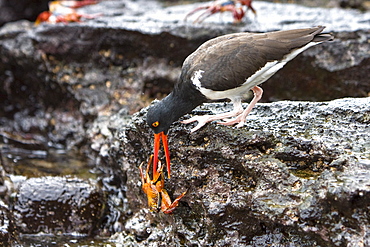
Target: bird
[[226, 67]]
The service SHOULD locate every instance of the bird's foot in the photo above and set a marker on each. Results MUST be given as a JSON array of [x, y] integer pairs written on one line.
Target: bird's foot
[[202, 120], [239, 120]]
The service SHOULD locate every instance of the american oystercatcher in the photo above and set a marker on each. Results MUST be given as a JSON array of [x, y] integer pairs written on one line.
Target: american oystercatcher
[[227, 67]]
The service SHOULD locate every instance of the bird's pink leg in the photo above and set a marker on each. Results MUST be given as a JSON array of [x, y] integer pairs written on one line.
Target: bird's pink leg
[[240, 119], [237, 111], [202, 120]]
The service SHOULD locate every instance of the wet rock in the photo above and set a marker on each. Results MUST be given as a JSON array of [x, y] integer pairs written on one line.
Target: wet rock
[[77, 85], [297, 173], [7, 229], [58, 205], [56, 79], [356, 4], [25, 9], [287, 177]]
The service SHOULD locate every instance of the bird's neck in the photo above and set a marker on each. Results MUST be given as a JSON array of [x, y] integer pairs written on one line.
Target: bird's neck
[[183, 99]]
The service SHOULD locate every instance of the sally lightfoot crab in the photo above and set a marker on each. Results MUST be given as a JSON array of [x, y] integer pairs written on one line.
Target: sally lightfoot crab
[[65, 11], [158, 198], [236, 7]]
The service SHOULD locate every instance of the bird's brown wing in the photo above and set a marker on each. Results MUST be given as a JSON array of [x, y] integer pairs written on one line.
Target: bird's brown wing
[[227, 61]]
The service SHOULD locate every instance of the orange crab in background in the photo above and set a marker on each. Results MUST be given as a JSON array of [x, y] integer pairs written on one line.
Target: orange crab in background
[[64, 11], [158, 198], [233, 6]]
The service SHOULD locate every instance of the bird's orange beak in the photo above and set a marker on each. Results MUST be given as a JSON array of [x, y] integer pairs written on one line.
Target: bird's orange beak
[[157, 144]]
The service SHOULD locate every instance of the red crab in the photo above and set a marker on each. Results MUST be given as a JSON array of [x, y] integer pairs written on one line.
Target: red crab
[[64, 11], [234, 6], [158, 198]]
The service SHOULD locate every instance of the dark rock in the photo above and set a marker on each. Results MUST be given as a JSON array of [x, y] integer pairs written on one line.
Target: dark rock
[[24, 9], [58, 205], [56, 79], [7, 228], [288, 177], [297, 173], [356, 4]]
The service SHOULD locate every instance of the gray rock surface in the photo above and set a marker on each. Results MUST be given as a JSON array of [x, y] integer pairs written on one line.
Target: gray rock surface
[[297, 173], [54, 204]]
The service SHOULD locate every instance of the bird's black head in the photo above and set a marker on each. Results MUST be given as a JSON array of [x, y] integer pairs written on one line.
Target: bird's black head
[[161, 115], [159, 118]]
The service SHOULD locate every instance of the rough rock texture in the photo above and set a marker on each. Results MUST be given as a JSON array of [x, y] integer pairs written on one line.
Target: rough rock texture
[[7, 229], [55, 205], [287, 177], [296, 174]]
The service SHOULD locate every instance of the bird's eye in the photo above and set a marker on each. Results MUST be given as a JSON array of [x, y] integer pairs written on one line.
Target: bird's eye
[[155, 124]]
